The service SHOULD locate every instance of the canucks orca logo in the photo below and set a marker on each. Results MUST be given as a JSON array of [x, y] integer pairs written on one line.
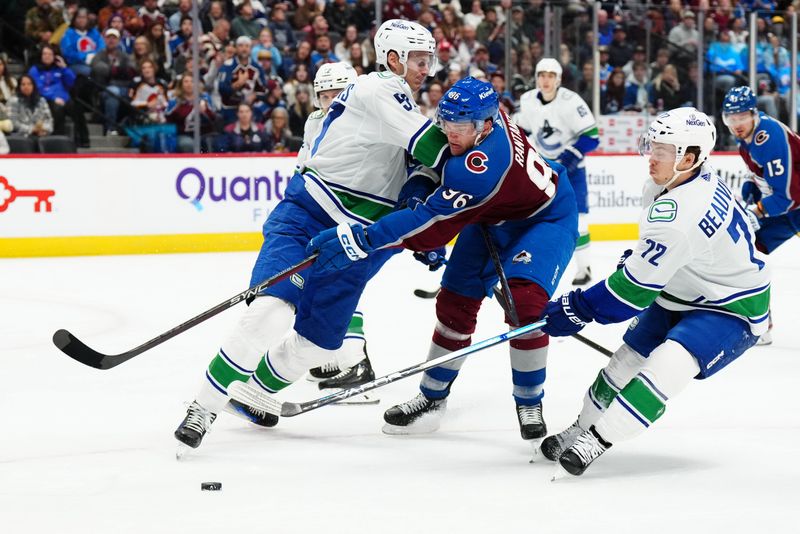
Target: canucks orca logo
[[545, 132], [476, 161]]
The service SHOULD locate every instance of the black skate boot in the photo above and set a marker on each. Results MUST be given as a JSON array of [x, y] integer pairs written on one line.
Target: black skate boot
[[586, 449], [195, 425], [416, 416], [582, 277], [323, 372], [531, 421], [360, 373], [553, 446], [254, 415]]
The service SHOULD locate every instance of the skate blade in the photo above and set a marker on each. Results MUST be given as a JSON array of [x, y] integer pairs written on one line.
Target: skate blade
[[536, 455], [560, 473], [182, 451], [764, 341], [424, 425]]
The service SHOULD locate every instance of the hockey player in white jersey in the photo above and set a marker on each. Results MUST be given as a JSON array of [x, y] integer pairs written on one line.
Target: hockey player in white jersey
[[562, 128], [697, 286], [351, 363], [354, 173]]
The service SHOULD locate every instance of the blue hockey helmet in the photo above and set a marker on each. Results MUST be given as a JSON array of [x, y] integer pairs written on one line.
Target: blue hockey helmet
[[469, 100], [738, 100]]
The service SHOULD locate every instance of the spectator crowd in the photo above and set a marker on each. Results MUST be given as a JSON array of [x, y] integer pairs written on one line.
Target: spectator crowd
[[131, 61]]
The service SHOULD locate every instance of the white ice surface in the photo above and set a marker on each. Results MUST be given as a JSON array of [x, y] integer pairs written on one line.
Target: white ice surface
[[88, 451]]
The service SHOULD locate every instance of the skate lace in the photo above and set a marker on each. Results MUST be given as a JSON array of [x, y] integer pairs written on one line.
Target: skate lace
[[198, 418], [414, 405], [330, 366], [530, 415], [587, 447]]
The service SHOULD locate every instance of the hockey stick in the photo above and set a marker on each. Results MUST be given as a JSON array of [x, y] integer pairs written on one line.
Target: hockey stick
[[503, 295], [423, 294], [261, 400], [77, 350]]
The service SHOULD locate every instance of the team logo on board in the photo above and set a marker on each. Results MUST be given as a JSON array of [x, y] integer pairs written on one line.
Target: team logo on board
[[9, 193], [476, 161], [761, 138]]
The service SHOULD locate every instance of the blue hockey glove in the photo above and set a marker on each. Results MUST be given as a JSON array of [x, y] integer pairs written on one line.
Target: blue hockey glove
[[416, 189], [567, 315], [339, 247], [432, 258], [750, 192], [570, 158], [625, 256]]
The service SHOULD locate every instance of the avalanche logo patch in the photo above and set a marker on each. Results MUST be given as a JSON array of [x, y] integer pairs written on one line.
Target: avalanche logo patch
[[663, 211], [476, 160], [761, 138], [522, 257]]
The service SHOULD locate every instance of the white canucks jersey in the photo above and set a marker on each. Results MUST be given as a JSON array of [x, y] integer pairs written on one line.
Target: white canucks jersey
[[310, 130], [696, 250], [556, 125], [357, 162]]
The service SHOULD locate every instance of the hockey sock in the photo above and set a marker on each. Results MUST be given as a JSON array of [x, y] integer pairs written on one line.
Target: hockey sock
[[352, 350], [288, 361], [624, 365], [642, 401], [435, 383], [265, 320], [528, 353]]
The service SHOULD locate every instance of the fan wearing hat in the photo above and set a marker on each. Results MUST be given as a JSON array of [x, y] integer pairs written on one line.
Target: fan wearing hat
[[241, 80], [685, 34], [562, 128]]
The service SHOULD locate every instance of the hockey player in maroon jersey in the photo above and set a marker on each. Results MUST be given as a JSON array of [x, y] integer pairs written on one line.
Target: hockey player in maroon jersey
[[496, 179]]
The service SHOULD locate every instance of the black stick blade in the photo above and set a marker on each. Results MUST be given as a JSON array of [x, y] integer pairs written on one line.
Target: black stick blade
[[421, 293], [77, 350]]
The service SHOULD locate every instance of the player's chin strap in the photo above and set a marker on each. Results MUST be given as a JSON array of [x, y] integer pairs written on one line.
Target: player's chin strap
[[677, 173]]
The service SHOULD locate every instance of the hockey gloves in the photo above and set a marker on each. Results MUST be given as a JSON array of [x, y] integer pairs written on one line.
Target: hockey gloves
[[432, 258], [416, 189], [567, 315], [570, 158], [339, 247], [750, 192]]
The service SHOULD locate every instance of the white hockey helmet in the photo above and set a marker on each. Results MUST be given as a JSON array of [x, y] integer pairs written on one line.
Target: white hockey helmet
[[682, 128], [333, 76], [403, 37], [549, 64]]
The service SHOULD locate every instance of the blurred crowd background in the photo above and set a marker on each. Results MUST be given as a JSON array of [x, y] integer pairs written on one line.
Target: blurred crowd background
[[116, 75]]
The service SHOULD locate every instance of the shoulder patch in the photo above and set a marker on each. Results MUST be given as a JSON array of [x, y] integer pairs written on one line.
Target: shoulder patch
[[317, 114], [476, 161], [566, 94], [664, 210], [761, 138]]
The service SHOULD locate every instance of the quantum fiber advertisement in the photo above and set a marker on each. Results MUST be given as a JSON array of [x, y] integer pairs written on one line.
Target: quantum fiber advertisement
[[100, 205]]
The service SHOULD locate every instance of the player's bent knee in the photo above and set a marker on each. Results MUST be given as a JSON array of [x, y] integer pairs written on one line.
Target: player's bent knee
[[670, 368], [457, 312]]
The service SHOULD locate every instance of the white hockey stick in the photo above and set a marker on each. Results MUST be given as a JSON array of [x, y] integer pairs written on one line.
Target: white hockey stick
[[261, 400]]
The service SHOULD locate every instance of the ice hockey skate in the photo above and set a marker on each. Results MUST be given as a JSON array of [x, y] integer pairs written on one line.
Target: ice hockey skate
[[587, 448], [360, 373], [193, 428], [532, 427], [582, 277], [553, 446], [323, 372], [419, 415], [251, 414]]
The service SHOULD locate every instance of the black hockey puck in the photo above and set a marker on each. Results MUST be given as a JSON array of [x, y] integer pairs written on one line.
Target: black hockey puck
[[211, 486]]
